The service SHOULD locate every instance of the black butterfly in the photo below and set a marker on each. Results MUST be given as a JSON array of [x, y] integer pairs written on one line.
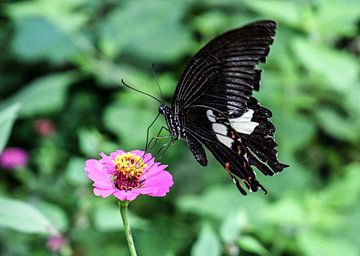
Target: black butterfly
[[213, 105]]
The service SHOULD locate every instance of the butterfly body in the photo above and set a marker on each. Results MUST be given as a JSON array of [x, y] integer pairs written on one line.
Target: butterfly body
[[213, 106]]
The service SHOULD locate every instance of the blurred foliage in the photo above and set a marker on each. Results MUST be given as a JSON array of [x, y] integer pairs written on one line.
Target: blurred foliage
[[63, 60]]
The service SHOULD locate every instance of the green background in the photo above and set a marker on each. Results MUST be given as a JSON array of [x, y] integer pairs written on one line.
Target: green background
[[64, 60]]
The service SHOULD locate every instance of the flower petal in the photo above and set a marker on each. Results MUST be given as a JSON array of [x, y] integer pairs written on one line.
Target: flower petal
[[103, 192], [107, 163], [157, 168], [126, 195], [158, 185], [95, 172]]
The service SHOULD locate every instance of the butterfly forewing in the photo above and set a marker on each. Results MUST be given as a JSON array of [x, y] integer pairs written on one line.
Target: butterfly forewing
[[223, 73]]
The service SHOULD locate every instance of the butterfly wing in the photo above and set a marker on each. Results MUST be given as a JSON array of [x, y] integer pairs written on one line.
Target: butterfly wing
[[237, 145], [214, 103], [223, 74]]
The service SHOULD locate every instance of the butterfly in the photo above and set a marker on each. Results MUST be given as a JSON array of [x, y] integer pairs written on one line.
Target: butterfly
[[213, 106]]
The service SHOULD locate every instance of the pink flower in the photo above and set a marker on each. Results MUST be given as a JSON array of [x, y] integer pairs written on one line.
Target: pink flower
[[13, 158], [44, 127], [126, 175], [56, 242]]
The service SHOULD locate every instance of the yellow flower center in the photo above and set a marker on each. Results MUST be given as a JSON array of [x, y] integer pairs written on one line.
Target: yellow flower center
[[129, 169]]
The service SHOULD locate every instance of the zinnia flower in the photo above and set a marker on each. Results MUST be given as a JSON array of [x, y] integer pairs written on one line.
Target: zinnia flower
[[44, 127], [56, 242], [13, 158], [126, 175]]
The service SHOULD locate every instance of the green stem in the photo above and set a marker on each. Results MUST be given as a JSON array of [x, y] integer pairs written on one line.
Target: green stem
[[124, 215]]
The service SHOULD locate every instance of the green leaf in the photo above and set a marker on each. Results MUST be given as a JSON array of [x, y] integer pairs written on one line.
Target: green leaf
[[314, 244], [129, 122], [44, 95], [55, 214], [107, 218], [232, 226], [166, 38], [75, 173], [350, 227], [352, 100], [90, 141], [345, 190], [338, 18], [250, 244], [7, 118], [207, 243], [217, 202], [332, 69], [287, 212], [341, 127], [37, 38], [23, 217], [287, 12], [293, 132], [64, 13]]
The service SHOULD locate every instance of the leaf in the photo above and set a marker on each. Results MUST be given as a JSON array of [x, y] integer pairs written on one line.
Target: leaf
[[338, 18], [7, 118], [336, 70], [287, 12], [212, 203], [314, 244], [55, 214], [341, 127], [166, 39], [44, 95], [23, 217], [287, 212], [294, 131], [37, 38], [129, 122], [345, 190], [75, 173], [232, 226], [107, 218], [92, 142], [350, 228], [250, 244], [66, 14], [207, 243], [351, 101]]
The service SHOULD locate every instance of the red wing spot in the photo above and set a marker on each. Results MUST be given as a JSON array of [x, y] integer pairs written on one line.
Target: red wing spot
[[227, 166], [238, 150]]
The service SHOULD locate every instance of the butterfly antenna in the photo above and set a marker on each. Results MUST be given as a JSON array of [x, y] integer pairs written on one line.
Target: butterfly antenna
[[132, 88], [157, 82]]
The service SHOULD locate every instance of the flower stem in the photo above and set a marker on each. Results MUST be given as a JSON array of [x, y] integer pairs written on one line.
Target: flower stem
[[124, 215]]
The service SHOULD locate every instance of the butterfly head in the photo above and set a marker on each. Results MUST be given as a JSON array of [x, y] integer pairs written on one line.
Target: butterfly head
[[164, 110]]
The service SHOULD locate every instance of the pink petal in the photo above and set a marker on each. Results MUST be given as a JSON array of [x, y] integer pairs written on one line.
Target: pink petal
[[158, 185], [113, 155], [103, 192], [161, 179], [138, 153], [95, 172], [126, 195], [157, 168], [107, 163]]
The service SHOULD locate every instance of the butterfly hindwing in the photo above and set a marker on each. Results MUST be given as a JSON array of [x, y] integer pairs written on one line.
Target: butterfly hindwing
[[231, 141]]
